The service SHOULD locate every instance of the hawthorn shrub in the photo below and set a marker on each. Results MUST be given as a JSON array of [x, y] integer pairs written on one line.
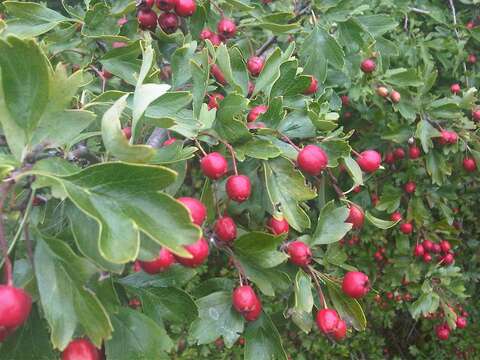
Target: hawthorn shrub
[[239, 179]]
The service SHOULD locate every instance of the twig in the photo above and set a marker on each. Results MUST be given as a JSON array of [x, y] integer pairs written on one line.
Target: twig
[[317, 286], [420, 11], [5, 189], [337, 188], [454, 14]]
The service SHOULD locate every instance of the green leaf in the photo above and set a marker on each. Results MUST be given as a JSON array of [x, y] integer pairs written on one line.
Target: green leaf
[[123, 62], [289, 84], [427, 303], [217, 318], [228, 124], [61, 277], [261, 248], [109, 193], [263, 341], [258, 148], [303, 292], [238, 79], [200, 74], [181, 70], [402, 77], [99, 22], [175, 276], [379, 223], [354, 170], [287, 188], [348, 308], [378, 24], [390, 199], [425, 132], [136, 336], [331, 225], [115, 141], [437, 167]]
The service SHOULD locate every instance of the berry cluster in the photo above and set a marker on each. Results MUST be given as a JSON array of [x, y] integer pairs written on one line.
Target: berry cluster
[[443, 250], [168, 20]]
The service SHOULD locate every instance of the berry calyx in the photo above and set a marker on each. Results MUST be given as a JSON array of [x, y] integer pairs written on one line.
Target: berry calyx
[[147, 19], [278, 226], [164, 260], [300, 253], [185, 8], [256, 111], [198, 211], [410, 187], [313, 87], [327, 320], [168, 22], [396, 216], [312, 160], [355, 284], [368, 66], [455, 89], [414, 152], [166, 5], [469, 164], [356, 217], [255, 65], [238, 188], [226, 27], [226, 229], [369, 160], [81, 349], [214, 165], [15, 306], [199, 251], [406, 228]]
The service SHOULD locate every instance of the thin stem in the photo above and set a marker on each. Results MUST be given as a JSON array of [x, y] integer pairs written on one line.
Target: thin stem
[[321, 297], [454, 14], [200, 147], [5, 189], [286, 138], [232, 152], [337, 188]]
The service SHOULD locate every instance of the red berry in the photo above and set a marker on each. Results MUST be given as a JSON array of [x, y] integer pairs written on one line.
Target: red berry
[[106, 74], [256, 111], [134, 303], [164, 260], [312, 160], [127, 132], [406, 228], [251, 87], [461, 322], [448, 259], [15, 305], [147, 19], [198, 211], [327, 320], [148, 3], [368, 66], [395, 96], [442, 331], [470, 25], [256, 125], [355, 284], [238, 187], [469, 164], [199, 251], [410, 187], [244, 299], [427, 257], [166, 5], [378, 256], [226, 229], [255, 313], [355, 216], [255, 65], [313, 87], [215, 39], [427, 244], [389, 295], [476, 114], [81, 349], [396, 216], [419, 250], [382, 91], [168, 22], [345, 100], [169, 141], [414, 152], [340, 331], [471, 59], [213, 100], [218, 74], [455, 88], [374, 199], [278, 226], [118, 44], [369, 160], [185, 8], [407, 297], [399, 153], [389, 158], [214, 165], [226, 28], [122, 21], [436, 249], [206, 33], [300, 253]]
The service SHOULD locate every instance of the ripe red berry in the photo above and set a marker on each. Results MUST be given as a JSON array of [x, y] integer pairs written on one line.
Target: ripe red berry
[[369, 160], [410, 187], [244, 299], [81, 349], [169, 141], [389, 158], [427, 258], [395, 96], [382, 91], [147, 19], [218, 74], [213, 100], [226, 229], [406, 228], [185, 8], [127, 132], [166, 5], [470, 25], [414, 152], [471, 59], [313, 87], [227, 28], [399, 153], [445, 246], [327, 320], [389, 295], [300, 253], [256, 111], [238, 187], [198, 211], [199, 251], [455, 88], [168, 22], [355, 284], [206, 33], [255, 65], [448, 259], [355, 216], [442, 331], [255, 313], [278, 226], [469, 164], [214, 165], [106, 74], [419, 250], [148, 3], [15, 305], [461, 322], [312, 160], [396, 216], [345, 100], [436, 249], [340, 331], [378, 256], [164, 260], [215, 39], [368, 66], [476, 114]]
